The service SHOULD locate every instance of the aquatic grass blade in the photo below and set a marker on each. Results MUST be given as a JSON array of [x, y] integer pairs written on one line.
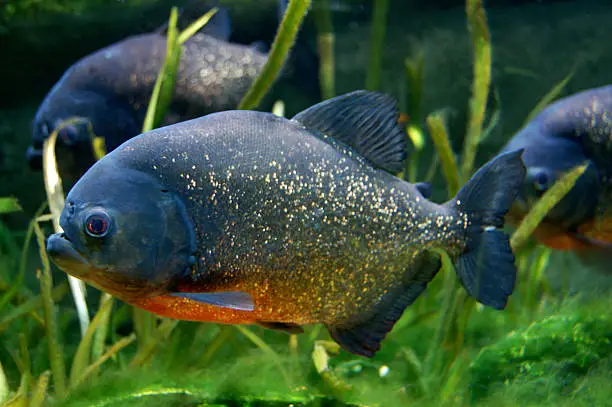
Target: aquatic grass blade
[[495, 116], [377, 43], [266, 348], [32, 304], [148, 349], [5, 391], [196, 26], [56, 354], [447, 158], [415, 80], [39, 395], [481, 44], [164, 85], [9, 205], [552, 94], [81, 358], [279, 52], [55, 198], [16, 285], [538, 212], [101, 334], [325, 46], [112, 351]]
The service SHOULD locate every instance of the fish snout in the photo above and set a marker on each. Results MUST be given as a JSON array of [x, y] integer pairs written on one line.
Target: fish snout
[[61, 251]]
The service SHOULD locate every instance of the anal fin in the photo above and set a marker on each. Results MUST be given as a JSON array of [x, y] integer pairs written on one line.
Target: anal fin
[[364, 339]]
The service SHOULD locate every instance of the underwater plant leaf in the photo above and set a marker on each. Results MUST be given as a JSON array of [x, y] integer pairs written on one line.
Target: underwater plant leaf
[[5, 391], [266, 348], [278, 109], [55, 198], [39, 395], [16, 285], [377, 43], [112, 351], [97, 347], [279, 52], [325, 47], [161, 96], [160, 334], [31, 305], [99, 147], [481, 45], [84, 350], [9, 205], [552, 94], [495, 116], [196, 26], [415, 79], [447, 158], [538, 212], [56, 353]]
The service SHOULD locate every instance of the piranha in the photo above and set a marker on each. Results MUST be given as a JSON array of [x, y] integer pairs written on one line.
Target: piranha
[[243, 217], [111, 88], [570, 132]]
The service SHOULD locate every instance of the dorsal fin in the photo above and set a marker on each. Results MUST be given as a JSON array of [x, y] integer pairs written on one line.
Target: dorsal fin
[[366, 121], [219, 26]]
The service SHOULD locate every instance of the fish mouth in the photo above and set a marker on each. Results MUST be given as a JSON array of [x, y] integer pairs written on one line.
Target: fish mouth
[[62, 252]]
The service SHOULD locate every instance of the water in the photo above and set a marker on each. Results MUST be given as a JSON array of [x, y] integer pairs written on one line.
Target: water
[[446, 350]]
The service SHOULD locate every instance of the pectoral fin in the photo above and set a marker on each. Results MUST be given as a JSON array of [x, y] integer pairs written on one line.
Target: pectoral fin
[[237, 300]]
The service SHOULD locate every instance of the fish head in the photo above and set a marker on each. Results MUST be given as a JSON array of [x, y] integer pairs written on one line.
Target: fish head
[[547, 158], [78, 117], [123, 232]]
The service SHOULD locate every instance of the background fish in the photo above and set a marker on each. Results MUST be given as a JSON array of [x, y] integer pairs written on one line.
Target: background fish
[[246, 217], [111, 88], [568, 133]]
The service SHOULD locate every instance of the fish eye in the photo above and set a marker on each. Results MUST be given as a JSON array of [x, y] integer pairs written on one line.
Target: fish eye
[[97, 224], [541, 181]]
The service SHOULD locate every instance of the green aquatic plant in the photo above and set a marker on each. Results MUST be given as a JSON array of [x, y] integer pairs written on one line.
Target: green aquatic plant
[[481, 46], [283, 42], [553, 94], [377, 40], [541, 208], [9, 205], [325, 46], [164, 85], [559, 349]]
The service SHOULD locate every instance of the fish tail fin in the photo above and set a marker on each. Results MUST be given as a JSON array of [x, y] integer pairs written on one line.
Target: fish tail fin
[[486, 268]]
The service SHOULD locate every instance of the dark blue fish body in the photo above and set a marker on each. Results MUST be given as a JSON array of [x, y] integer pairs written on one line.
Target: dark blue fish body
[[245, 217], [111, 88], [568, 133]]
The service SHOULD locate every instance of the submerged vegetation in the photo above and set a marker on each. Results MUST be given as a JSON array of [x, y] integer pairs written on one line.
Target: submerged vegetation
[[546, 348]]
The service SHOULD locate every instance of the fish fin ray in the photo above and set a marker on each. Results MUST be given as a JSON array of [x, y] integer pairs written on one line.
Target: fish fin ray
[[486, 268], [286, 327], [366, 121], [364, 338], [237, 300]]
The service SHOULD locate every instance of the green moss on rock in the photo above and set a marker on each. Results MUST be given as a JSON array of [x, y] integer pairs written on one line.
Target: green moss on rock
[[556, 351]]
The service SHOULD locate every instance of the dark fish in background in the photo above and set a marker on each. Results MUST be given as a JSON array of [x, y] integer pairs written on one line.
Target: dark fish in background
[[568, 133], [244, 217], [111, 88]]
